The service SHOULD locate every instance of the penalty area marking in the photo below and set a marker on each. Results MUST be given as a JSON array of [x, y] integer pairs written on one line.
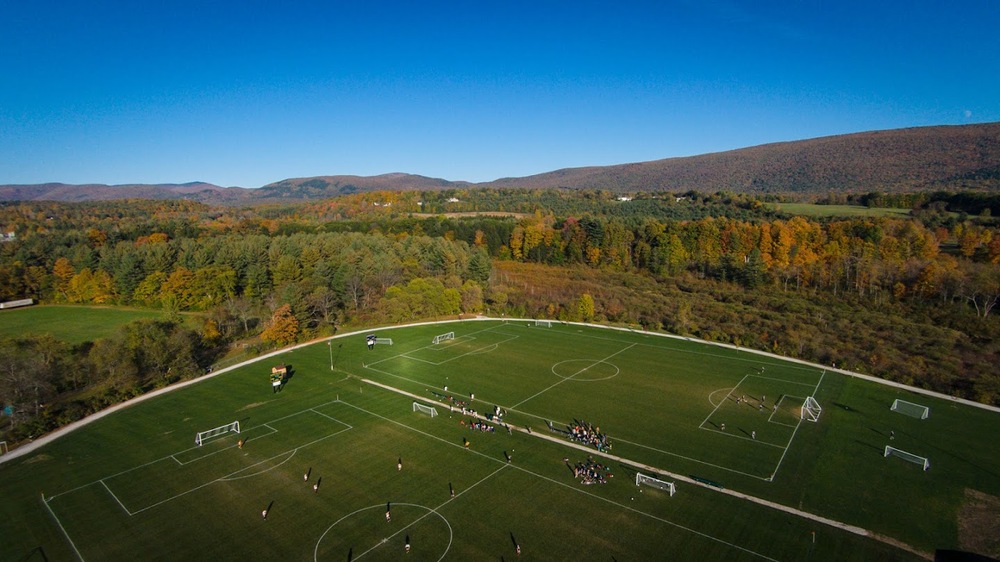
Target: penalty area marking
[[380, 542], [714, 392]]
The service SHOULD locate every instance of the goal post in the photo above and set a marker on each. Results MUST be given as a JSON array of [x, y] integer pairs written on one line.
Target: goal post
[[543, 323], [910, 409], [811, 410], [444, 337], [641, 479], [916, 459], [423, 408], [203, 436]]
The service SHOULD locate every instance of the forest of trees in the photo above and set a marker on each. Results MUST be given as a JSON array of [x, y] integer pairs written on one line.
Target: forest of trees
[[860, 292]]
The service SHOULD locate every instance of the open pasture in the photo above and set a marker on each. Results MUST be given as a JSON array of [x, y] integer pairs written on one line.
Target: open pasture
[[134, 484]]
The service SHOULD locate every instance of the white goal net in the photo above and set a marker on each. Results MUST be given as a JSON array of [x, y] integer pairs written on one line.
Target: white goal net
[[910, 409], [543, 323], [429, 410], [642, 479], [444, 337], [384, 341], [221, 430], [917, 459], [811, 410]]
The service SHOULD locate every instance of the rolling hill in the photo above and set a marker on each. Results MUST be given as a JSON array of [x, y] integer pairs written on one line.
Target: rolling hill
[[962, 157]]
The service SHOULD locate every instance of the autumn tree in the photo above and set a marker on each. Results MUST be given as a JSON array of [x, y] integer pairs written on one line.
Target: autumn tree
[[283, 328]]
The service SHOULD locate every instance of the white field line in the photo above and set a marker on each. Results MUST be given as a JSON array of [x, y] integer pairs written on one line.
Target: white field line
[[61, 528], [597, 362], [712, 413], [230, 476], [434, 511], [573, 488], [679, 477], [103, 483]]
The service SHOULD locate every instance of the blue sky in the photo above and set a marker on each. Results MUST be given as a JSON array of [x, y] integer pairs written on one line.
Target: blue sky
[[248, 93]]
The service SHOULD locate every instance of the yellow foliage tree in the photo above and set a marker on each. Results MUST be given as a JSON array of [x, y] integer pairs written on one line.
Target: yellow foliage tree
[[283, 327]]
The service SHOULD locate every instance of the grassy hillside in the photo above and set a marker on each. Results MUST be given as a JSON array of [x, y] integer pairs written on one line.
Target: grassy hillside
[[72, 324]]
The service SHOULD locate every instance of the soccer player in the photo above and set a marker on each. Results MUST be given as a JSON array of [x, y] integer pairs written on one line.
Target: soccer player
[[451, 489], [407, 547], [723, 427], [399, 464], [239, 443], [264, 513], [753, 435]]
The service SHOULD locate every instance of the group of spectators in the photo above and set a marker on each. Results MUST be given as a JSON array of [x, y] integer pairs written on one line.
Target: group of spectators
[[479, 425], [589, 434], [590, 471]]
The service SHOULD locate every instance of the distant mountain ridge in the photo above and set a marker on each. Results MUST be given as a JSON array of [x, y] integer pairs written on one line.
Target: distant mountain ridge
[[942, 157]]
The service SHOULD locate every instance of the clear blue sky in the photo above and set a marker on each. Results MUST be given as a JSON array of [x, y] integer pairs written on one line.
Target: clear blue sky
[[249, 92]]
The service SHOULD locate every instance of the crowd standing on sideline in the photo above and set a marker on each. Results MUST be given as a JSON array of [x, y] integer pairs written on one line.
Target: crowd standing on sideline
[[589, 434]]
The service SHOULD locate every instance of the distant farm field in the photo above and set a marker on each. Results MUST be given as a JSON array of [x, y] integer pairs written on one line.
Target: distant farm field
[[72, 324], [348, 469], [811, 210]]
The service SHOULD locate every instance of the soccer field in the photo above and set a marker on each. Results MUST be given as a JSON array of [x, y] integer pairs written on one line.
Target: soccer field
[[323, 456]]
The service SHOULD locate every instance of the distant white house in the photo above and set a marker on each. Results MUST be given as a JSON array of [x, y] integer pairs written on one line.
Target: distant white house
[[624, 198], [453, 200], [8, 236]]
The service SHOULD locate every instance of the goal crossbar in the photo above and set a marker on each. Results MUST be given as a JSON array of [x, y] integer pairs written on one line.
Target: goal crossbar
[[429, 410], [443, 337], [910, 409], [811, 410], [642, 479], [203, 436], [917, 459]]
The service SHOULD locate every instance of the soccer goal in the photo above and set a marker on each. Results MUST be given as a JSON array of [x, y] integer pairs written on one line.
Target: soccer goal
[[443, 337], [917, 459], [222, 429], [384, 341], [641, 479], [429, 410], [910, 409], [543, 323], [811, 410]]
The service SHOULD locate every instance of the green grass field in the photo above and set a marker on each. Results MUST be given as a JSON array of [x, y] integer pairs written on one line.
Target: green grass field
[[72, 324], [812, 210], [134, 484]]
